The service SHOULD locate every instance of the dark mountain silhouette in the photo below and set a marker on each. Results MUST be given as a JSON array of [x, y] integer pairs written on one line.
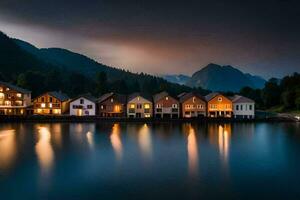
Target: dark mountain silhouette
[[223, 78]]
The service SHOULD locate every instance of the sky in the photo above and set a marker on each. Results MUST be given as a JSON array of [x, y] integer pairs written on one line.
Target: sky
[[164, 36]]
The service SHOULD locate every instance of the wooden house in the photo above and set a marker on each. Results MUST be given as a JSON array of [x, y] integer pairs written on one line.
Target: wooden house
[[13, 100], [51, 103], [192, 105], [139, 106], [165, 106], [218, 105], [112, 105], [83, 105], [243, 107]]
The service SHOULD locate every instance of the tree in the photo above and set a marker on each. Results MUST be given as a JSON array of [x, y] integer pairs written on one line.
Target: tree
[[271, 93], [101, 83], [34, 81]]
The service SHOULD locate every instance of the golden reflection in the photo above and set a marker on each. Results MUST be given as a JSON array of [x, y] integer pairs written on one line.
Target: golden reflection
[[224, 134], [145, 143], [8, 148], [116, 142], [192, 149], [90, 138], [44, 149]]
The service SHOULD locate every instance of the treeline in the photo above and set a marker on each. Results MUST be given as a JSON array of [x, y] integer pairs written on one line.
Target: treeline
[[74, 83], [279, 95]]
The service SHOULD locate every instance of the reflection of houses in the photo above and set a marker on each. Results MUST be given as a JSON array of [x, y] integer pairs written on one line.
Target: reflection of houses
[[51, 103], [83, 105], [112, 105], [243, 107], [139, 106], [218, 105], [13, 100], [166, 106], [192, 105]]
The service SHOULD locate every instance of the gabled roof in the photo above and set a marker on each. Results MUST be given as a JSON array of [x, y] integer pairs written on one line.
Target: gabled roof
[[59, 95], [86, 96], [211, 96], [119, 97], [189, 95], [241, 99], [161, 95], [14, 87], [134, 95]]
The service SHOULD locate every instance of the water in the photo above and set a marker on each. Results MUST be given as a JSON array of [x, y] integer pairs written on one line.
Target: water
[[150, 161]]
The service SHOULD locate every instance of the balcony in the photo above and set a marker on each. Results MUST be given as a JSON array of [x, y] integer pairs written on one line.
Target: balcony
[[131, 110]]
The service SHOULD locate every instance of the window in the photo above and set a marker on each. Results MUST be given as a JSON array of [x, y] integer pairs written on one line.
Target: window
[[187, 106], [147, 106], [147, 115], [19, 95], [111, 100], [1, 89], [174, 106], [50, 99], [237, 107], [219, 99], [200, 106], [102, 107], [7, 89], [43, 105], [158, 105], [167, 98], [81, 101], [194, 99], [50, 105], [132, 106], [139, 106], [90, 106], [138, 98], [241, 107], [43, 99], [250, 107]]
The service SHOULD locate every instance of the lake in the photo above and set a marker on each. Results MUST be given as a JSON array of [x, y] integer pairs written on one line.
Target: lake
[[150, 161]]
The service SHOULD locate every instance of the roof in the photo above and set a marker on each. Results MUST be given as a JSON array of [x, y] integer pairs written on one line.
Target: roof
[[187, 96], [119, 97], [211, 96], [134, 95], [241, 99], [14, 87], [86, 96], [59, 95], [161, 95]]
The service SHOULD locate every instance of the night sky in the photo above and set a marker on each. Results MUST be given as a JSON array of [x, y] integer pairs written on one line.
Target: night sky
[[165, 36]]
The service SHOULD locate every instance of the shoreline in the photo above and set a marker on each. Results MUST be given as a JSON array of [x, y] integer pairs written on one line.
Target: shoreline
[[75, 119]]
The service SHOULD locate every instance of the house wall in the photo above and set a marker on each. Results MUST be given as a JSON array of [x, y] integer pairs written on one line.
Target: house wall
[[244, 110], [131, 112], [13, 102], [111, 107], [219, 105], [164, 106], [83, 107], [193, 104], [54, 107]]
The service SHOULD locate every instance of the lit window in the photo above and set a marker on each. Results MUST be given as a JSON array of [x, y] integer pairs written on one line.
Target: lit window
[[111, 100], [50, 105], [167, 98], [7, 89], [102, 107], [1, 89], [158, 105], [147, 115], [194, 99], [132, 106], [43, 105], [117, 108], [147, 106], [174, 105], [19, 95], [138, 98]]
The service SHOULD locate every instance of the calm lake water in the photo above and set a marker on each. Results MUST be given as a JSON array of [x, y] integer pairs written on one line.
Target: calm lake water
[[150, 161]]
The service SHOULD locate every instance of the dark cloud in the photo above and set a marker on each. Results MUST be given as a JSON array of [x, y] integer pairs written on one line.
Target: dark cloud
[[260, 36]]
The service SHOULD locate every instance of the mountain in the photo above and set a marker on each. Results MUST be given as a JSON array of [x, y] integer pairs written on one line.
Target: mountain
[[179, 79], [223, 78], [49, 69]]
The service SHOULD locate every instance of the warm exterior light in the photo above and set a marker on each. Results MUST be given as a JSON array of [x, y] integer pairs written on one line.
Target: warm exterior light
[[167, 98], [50, 105], [132, 106], [43, 105], [19, 95], [117, 108], [147, 106]]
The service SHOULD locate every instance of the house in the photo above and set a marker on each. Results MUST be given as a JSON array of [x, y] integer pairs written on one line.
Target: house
[[192, 105], [218, 105], [51, 103], [112, 105], [13, 100], [243, 107], [83, 105], [139, 106], [165, 106]]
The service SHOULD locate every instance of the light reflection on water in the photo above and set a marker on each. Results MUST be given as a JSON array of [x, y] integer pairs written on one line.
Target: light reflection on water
[[157, 155]]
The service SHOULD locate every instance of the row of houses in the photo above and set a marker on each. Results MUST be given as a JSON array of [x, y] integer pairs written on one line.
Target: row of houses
[[17, 101]]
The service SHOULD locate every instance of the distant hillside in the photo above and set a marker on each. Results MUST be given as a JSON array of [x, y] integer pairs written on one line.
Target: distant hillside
[[180, 79], [41, 70], [223, 78]]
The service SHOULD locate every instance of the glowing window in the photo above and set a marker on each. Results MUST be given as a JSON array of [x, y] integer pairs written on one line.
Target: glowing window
[[167, 98], [147, 115], [111, 100], [147, 106], [7, 89], [50, 105], [43, 105], [132, 106], [19, 95]]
